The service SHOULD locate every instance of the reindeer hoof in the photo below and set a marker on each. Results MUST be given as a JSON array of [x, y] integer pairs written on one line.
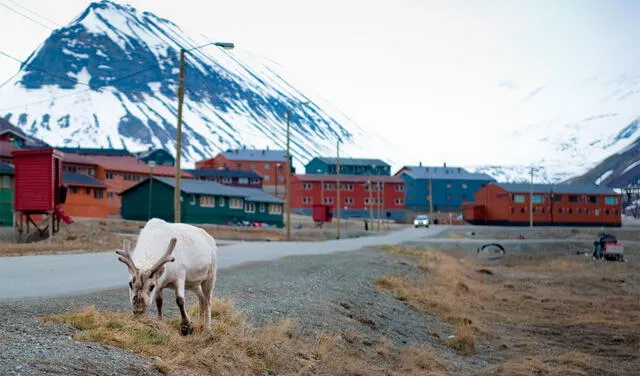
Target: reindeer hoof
[[186, 328]]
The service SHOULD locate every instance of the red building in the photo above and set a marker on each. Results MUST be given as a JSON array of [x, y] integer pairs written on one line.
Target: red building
[[384, 200], [271, 165], [553, 205]]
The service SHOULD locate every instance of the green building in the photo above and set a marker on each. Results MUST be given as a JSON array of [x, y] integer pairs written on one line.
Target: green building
[[6, 194], [201, 202]]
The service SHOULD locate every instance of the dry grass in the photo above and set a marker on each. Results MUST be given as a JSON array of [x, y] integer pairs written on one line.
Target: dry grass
[[234, 348], [542, 314]]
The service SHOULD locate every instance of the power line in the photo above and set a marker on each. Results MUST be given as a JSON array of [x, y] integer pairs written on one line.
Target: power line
[[34, 13], [25, 16]]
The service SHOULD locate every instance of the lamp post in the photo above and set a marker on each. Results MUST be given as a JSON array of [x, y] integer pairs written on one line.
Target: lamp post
[[289, 160], [276, 168], [176, 189], [152, 164]]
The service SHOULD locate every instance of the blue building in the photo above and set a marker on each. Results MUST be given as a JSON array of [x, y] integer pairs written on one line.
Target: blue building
[[440, 189], [348, 166]]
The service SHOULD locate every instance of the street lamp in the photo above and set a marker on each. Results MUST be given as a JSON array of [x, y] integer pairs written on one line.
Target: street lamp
[[276, 168], [176, 190], [288, 177]]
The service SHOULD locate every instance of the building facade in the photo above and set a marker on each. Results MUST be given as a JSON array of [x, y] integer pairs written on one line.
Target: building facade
[[443, 189], [201, 202], [559, 205], [86, 196], [271, 165], [380, 197], [348, 166], [235, 178], [6, 194]]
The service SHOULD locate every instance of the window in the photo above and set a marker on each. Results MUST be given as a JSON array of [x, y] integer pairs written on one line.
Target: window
[[328, 200], [449, 185], [6, 181], [193, 199], [254, 181], [559, 210], [348, 201], [252, 166], [280, 178], [221, 202], [266, 166], [110, 195], [226, 180], [593, 199], [207, 202], [579, 210], [98, 194], [275, 209], [307, 200], [399, 201], [263, 208], [239, 166], [611, 200], [607, 212], [399, 188], [243, 181], [366, 201], [543, 210], [74, 190], [328, 186], [556, 198], [235, 203], [596, 212], [306, 186], [92, 172], [464, 186], [573, 198], [570, 211], [87, 191], [538, 199], [249, 207], [266, 178], [587, 211], [522, 210], [518, 199]]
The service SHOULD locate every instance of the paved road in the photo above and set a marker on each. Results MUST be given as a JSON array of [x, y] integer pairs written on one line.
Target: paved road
[[69, 274]]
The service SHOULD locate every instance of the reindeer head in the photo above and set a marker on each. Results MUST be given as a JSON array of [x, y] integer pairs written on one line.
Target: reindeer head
[[142, 285]]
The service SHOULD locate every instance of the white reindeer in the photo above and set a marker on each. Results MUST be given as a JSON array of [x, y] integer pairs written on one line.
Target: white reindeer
[[176, 256]]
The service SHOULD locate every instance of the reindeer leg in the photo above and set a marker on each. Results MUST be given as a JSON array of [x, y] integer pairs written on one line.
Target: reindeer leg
[[201, 304], [185, 325], [207, 289], [159, 304]]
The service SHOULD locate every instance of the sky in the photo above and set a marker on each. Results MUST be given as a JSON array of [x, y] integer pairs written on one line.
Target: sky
[[416, 72]]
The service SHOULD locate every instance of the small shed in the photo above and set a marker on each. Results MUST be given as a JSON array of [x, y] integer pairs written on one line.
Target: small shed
[[322, 213], [6, 194], [39, 192]]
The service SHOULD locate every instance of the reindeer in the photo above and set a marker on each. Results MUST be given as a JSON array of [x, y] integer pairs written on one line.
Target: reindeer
[[188, 262]]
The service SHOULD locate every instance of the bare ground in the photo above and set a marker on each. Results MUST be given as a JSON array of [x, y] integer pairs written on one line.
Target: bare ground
[[396, 311]]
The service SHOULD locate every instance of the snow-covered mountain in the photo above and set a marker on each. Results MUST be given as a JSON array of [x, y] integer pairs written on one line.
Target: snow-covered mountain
[[109, 79], [566, 126]]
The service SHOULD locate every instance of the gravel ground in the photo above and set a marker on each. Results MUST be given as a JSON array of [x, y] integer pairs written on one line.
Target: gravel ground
[[329, 292]]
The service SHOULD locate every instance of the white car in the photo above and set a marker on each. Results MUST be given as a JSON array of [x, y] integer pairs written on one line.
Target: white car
[[421, 221]]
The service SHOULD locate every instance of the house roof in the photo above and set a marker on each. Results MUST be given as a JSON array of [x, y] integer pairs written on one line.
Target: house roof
[[6, 148], [349, 178], [78, 159], [223, 173], [442, 173], [258, 155], [6, 168], [354, 161], [133, 165], [95, 151], [258, 195], [6, 126], [556, 188], [73, 178]]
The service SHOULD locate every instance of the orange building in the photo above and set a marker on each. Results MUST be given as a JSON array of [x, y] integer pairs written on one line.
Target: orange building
[[270, 164], [553, 205], [86, 196]]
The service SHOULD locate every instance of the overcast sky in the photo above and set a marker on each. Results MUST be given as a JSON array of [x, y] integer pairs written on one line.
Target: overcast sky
[[439, 68]]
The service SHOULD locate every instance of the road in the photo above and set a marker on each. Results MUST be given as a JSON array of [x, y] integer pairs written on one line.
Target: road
[[71, 274]]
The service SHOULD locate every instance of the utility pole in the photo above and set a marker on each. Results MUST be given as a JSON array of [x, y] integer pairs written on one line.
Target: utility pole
[[176, 189], [370, 186], [531, 200], [338, 203], [288, 180], [152, 164], [378, 202]]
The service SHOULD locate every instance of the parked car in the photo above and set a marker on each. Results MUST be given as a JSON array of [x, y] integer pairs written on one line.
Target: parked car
[[421, 221]]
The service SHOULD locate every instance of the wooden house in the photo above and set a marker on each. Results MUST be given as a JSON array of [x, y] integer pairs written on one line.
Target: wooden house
[[201, 202], [6, 194]]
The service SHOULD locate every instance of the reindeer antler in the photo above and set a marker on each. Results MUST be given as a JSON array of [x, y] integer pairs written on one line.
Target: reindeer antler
[[165, 258], [126, 256]]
